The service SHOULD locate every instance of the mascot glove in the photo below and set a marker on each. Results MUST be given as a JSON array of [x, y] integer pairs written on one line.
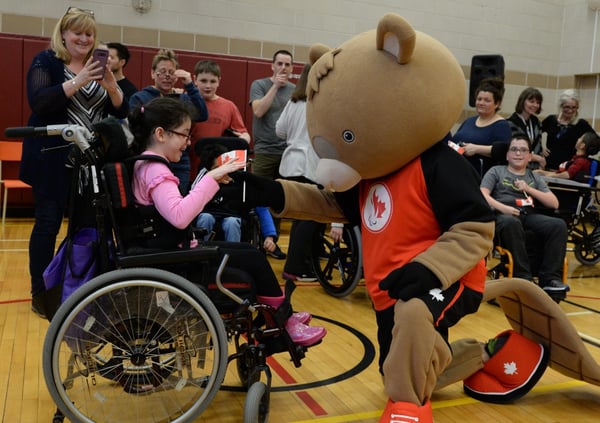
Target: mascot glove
[[410, 281], [261, 191]]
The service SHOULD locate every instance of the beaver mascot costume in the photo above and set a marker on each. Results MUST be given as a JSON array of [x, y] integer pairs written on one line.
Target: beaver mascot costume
[[379, 111]]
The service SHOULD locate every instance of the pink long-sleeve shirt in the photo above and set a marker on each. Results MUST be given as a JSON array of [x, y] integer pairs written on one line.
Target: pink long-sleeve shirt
[[155, 184]]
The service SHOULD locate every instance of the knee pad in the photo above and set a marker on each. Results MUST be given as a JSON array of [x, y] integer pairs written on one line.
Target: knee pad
[[513, 369]]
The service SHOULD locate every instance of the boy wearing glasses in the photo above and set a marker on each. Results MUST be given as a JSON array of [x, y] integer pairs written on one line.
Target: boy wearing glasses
[[514, 191], [165, 73]]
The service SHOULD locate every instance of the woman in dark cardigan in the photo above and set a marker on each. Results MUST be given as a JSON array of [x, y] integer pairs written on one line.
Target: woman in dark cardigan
[[64, 85], [563, 130]]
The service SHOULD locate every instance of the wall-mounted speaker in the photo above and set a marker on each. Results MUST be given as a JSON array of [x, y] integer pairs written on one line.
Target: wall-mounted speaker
[[482, 67]]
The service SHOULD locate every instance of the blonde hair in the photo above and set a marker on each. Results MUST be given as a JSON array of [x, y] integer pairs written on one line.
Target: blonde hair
[[74, 20]]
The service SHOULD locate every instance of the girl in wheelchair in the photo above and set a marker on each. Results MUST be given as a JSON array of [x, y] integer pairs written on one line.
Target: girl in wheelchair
[[162, 128]]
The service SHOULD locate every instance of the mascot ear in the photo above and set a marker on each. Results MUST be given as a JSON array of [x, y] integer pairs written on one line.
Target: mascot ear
[[316, 51], [397, 37]]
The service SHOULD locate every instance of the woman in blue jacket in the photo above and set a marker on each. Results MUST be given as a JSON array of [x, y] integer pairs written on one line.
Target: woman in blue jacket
[[64, 85]]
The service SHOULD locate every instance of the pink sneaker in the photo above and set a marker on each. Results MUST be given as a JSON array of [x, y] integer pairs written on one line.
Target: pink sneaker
[[302, 317], [302, 334], [406, 412]]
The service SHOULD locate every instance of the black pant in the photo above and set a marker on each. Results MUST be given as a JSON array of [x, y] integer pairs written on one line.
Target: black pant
[[550, 238]]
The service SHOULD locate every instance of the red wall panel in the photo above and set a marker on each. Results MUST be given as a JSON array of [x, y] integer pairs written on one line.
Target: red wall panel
[[237, 76]]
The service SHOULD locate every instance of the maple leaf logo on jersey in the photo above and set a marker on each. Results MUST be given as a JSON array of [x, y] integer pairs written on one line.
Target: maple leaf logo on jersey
[[436, 294], [378, 207], [510, 368]]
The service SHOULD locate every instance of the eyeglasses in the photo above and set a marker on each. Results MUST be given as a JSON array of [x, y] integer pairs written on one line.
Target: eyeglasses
[[521, 150], [164, 73], [567, 107], [181, 134], [78, 10]]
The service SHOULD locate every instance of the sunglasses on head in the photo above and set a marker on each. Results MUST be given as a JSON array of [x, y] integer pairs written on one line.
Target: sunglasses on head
[[78, 10]]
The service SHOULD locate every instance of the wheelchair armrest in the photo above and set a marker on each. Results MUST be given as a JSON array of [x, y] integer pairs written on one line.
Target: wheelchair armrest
[[145, 257]]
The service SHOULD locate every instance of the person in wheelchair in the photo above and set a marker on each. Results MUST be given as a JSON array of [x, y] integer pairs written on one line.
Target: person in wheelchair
[[226, 208], [578, 168], [513, 191], [161, 127]]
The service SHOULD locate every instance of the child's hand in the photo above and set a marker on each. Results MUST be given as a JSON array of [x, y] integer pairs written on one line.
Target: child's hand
[[221, 173]]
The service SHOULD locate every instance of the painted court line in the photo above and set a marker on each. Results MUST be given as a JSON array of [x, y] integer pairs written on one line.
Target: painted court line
[[437, 404]]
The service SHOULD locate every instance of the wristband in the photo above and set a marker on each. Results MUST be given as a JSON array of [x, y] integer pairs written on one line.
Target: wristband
[[74, 84], [337, 225]]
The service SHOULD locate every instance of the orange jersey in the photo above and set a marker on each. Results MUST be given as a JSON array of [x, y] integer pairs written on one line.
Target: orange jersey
[[398, 223]]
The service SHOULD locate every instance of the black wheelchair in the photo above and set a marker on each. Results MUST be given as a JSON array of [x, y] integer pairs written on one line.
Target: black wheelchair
[[140, 342], [579, 210], [338, 265]]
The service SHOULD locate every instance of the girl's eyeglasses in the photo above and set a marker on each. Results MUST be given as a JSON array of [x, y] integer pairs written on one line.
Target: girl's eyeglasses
[[181, 134]]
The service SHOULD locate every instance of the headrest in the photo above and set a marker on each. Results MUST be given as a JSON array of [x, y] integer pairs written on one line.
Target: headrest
[[230, 143]]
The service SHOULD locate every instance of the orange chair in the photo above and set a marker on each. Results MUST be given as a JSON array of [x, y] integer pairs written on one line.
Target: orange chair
[[10, 151]]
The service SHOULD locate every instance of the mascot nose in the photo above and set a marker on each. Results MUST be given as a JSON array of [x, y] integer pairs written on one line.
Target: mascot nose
[[324, 148]]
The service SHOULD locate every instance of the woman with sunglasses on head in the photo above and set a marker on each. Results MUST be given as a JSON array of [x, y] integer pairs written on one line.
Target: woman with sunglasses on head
[[64, 85], [563, 130], [166, 73]]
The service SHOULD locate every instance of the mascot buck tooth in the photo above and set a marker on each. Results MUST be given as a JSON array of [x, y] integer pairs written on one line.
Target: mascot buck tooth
[[379, 111]]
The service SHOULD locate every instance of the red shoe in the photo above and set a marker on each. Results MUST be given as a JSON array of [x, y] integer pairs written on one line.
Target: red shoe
[[406, 412], [304, 335]]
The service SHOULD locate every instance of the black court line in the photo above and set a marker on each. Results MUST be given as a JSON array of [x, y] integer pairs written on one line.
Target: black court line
[[590, 309], [367, 359], [593, 310]]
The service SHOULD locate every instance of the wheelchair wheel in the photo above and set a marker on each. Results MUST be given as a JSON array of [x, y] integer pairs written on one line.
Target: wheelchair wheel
[[586, 255], [135, 345], [338, 266], [256, 406]]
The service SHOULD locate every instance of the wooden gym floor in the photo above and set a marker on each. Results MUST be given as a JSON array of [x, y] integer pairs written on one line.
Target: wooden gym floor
[[338, 380]]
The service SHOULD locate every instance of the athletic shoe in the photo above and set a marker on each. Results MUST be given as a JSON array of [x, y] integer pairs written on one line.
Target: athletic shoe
[[304, 335], [555, 285], [303, 277], [277, 253], [406, 412], [37, 306]]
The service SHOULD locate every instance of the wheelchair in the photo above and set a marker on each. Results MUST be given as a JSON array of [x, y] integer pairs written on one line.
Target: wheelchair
[[140, 342], [250, 222], [581, 215], [338, 265], [500, 265]]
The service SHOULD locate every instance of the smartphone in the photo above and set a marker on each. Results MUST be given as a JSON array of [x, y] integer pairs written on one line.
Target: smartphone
[[101, 55]]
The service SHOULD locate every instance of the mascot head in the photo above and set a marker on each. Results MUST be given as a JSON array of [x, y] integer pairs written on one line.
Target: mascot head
[[379, 100]]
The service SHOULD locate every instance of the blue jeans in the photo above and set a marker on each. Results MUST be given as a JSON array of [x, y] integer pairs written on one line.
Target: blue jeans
[[48, 218], [231, 226]]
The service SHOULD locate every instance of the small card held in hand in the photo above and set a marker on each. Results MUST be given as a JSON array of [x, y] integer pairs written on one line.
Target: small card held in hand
[[241, 155]]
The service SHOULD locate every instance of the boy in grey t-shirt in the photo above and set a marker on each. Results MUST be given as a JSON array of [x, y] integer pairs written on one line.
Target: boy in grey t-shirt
[[513, 191]]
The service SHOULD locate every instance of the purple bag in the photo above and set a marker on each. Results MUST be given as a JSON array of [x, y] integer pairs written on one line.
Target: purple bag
[[74, 263]]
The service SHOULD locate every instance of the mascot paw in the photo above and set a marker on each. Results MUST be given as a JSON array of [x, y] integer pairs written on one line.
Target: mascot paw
[[410, 281], [515, 366]]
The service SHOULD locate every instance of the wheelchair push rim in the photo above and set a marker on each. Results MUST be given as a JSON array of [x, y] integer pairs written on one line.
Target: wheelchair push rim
[[340, 270], [135, 345]]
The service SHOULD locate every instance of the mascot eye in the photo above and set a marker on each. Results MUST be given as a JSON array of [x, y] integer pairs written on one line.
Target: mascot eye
[[348, 136]]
